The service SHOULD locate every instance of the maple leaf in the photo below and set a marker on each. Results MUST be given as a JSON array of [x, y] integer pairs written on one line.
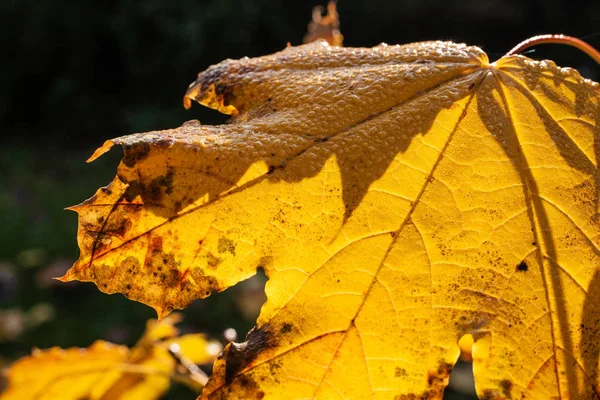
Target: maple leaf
[[108, 371], [399, 198]]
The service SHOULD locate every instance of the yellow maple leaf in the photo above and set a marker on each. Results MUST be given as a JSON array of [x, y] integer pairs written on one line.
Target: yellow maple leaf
[[105, 371], [398, 199]]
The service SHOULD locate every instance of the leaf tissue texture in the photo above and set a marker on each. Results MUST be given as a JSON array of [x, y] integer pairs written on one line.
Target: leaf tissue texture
[[397, 197]]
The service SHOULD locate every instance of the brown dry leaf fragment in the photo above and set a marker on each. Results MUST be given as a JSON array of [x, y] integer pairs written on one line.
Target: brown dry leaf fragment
[[397, 197], [325, 27], [105, 371]]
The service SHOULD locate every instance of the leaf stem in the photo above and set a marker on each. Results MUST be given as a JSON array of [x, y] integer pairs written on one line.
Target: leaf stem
[[556, 39], [194, 381]]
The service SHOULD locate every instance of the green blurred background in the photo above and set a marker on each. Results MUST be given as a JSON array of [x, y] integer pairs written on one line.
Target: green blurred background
[[77, 73]]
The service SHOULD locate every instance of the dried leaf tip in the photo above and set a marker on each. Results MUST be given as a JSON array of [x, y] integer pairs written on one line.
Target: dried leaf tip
[[101, 150], [67, 277], [187, 103], [556, 39], [161, 312]]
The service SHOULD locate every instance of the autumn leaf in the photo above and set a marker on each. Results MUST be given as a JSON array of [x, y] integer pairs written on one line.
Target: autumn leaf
[[106, 371], [398, 198], [325, 27]]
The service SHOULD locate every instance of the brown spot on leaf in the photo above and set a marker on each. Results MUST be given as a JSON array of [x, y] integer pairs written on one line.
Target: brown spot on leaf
[[135, 153], [438, 379], [224, 93], [239, 355], [177, 206], [438, 376], [274, 369], [226, 245], [131, 266], [216, 86], [506, 386], [251, 386], [212, 261], [117, 226], [242, 387], [156, 244], [132, 191], [286, 328], [152, 193], [164, 267], [166, 181], [489, 394], [165, 143], [206, 284], [412, 396]]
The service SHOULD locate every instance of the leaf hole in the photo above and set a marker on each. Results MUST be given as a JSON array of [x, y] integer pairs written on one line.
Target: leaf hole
[[249, 295], [462, 383], [239, 305]]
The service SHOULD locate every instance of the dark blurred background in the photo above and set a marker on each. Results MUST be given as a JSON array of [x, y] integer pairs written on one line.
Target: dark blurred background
[[77, 73]]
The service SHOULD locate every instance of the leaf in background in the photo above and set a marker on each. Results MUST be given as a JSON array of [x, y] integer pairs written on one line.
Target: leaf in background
[[105, 371], [325, 27], [398, 199]]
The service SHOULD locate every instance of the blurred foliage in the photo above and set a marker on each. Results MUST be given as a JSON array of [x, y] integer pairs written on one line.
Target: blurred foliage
[[77, 73], [81, 71]]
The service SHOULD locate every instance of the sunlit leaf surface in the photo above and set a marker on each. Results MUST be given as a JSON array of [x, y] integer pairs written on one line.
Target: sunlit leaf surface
[[397, 197]]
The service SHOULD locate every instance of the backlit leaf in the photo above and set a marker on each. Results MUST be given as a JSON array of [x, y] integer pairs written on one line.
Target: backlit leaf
[[398, 198], [105, 371]]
